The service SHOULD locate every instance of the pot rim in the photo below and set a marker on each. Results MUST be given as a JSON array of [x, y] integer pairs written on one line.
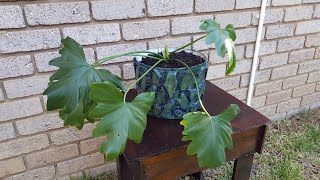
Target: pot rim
[[197, 53]]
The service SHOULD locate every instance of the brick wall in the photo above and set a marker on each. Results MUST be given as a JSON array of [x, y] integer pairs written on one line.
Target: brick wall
[[33, 142]]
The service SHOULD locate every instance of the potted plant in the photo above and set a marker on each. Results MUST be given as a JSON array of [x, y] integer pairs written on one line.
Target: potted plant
[[170, 85]]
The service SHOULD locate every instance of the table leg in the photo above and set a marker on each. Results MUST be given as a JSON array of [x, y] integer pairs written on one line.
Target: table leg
[[196, 175], [242, 167], [128, 171]]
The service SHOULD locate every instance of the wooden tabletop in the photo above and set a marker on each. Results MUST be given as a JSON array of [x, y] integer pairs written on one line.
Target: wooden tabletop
[[164, 135]]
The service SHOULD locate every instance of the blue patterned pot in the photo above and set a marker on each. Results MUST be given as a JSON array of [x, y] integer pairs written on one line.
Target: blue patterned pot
[[174, 88]]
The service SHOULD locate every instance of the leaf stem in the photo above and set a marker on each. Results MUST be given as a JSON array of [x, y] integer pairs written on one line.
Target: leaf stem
[[135, 82], [136, 53], [188, 44], [197, 87]]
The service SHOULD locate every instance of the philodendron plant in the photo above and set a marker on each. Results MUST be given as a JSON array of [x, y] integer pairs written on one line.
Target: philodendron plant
[[82, 91]]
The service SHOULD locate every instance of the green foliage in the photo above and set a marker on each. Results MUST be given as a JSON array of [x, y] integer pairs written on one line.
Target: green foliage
[[209, 135], [224, 172], [306, 142], [166, 54], [291, 149], [82, 91], [223, 40], [69, 87], [286, 169], [120, 120]]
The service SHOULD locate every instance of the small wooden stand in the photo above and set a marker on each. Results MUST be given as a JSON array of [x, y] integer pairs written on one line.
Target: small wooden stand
[[162, 155]]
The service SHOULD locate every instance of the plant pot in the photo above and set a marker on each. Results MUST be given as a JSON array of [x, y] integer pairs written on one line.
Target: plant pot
[[175, 89]]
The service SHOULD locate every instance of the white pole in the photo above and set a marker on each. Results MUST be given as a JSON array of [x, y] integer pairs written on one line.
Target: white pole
[[256, 52]]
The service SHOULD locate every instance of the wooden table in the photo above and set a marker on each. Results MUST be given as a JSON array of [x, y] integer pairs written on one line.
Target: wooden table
[[162, 155]]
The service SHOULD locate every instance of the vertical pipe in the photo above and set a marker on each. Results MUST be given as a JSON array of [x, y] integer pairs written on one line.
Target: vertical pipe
[[256, 52]]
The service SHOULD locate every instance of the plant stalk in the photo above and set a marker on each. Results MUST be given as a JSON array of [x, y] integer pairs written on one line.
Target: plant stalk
[[137, 53], [135, 82], [188, 44], [197, 87]]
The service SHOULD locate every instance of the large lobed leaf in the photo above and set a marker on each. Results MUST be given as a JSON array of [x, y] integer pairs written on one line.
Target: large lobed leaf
[[120, 120], [223, 39], [69, 87], [209, 135]]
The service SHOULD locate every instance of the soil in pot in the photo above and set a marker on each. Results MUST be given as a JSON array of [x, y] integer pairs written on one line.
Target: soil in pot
[[188, 58], [173, 84]]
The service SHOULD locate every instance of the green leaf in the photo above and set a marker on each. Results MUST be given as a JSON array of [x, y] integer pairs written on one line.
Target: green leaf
[[230, 32], [209, 135], [120, 120], [223, 40], [232, 63], [166, 54], [69, 87]]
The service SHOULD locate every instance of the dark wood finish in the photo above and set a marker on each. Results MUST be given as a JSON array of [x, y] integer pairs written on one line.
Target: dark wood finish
[[162, 154], [242, 167], [127, 170], [196, 175]]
